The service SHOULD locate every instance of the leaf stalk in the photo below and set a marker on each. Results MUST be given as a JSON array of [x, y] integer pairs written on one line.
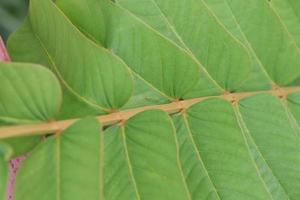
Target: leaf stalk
[[121, 116]]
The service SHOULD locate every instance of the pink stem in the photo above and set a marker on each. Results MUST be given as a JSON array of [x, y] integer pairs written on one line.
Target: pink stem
[[4, 57], [14, 166]]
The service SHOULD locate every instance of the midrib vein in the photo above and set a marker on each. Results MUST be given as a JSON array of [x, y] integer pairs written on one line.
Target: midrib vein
[[291, 119], [179, 162], [290, 35], [130, 170], [245, 131], [101, 166], [196, 150], [293, 8], [58, 168], [113, 118]]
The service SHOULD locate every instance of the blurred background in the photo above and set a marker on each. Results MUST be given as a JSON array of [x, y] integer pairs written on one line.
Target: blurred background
[[12, 13]]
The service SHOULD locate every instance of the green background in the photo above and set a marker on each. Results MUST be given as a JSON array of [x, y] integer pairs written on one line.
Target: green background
[[12, 13]]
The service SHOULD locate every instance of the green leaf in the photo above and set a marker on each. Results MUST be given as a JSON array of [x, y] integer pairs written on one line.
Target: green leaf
[[83, 157], [293, 102], [188, 23], [152, 151], [211, 126], [100, 89], [152, 56], [286, 12], [199, 93], [72, 106], [276, 139], [62, 165], [262, 30], [22, 101]]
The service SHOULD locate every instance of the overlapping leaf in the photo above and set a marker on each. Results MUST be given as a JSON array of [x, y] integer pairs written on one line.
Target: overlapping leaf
[[23, 101], [175, 50], [197, 29], [151, 55], [260, 27], [84, 60], [82, 162], [74, 152]]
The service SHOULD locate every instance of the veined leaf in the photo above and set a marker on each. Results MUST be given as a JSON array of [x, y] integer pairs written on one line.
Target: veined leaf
[[100, 66], [278, 140], [152, 56], [228, 170], [293, 102], [188, 22], [61, 166], [147, 146], [266, 35], [131, 168], [155, 79], [232, 15], [286, 12], [23, 101], [212, 115]]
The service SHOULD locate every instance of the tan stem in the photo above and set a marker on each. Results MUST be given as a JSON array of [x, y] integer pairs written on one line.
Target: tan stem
[[122, 116]]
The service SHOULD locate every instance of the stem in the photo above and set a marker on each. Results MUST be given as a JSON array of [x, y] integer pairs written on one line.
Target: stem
[[122, 116], [4, 57]]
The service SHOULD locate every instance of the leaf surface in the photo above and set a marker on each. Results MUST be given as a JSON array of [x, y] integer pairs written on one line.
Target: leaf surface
[[152, 56], [110, 93], [230, 168], [203, 95], [128, 169], [278, 140], [22, 101], [63, 165], [5, 154], [260, 27], [214, 52]]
